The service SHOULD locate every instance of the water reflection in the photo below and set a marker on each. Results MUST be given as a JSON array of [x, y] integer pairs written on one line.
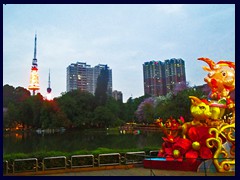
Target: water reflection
[[69, 141]]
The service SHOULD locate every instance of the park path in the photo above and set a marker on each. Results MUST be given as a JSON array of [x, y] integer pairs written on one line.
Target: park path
[[140, 171], [122, 170]]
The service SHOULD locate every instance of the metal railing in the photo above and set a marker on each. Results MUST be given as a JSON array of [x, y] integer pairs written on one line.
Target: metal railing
[[82, 161], [112, 159], [5, 167], [153, 153], [79, 161], [134, 157], [58, 162], [19, 165]]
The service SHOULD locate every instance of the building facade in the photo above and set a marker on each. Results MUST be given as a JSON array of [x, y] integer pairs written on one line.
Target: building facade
[[77, 76], [117, 95], [161, 77], [82, 76], [174, 72]]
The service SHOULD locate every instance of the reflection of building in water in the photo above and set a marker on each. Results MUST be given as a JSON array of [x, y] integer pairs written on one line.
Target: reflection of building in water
[[50, 131]]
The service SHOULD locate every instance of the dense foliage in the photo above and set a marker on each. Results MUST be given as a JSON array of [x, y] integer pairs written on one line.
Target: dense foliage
[[174, 104], [75, 109], [80, 109], [101, 89]]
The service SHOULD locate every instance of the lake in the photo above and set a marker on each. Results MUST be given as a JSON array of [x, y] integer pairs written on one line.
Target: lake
[[74, 140]]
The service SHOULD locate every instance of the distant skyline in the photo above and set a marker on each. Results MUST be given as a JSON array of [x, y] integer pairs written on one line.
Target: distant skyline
[[123, 36]]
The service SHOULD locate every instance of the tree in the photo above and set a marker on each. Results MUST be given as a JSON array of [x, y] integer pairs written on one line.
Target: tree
[[178, 105], [11, 116], [18, 110], [25, 114], [52, 116], [145, 111], [101, 89], [36, 102], [78, 106], [103, 117], [8, 94], [113, 106], [21, 94]]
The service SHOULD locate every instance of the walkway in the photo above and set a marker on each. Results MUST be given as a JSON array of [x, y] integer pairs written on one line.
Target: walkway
[[138, 171], [121, 170]]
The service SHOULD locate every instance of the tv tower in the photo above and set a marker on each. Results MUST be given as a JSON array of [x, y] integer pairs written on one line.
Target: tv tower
[[34, 80], [49, 90]]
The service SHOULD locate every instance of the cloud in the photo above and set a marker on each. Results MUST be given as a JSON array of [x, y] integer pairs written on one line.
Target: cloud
[[122, 36], [170, 8]]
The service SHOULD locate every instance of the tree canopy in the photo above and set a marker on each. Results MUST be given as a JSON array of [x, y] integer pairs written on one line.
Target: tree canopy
[[81, 109], [102, 85]]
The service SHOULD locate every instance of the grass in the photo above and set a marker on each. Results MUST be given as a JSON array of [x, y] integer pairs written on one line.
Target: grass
[[42, 154]]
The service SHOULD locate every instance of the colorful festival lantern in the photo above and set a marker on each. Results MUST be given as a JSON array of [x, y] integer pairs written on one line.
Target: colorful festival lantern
[[207, 143]]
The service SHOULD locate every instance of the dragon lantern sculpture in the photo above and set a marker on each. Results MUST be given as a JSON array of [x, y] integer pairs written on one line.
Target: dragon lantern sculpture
[[208, 136], [220, 78]]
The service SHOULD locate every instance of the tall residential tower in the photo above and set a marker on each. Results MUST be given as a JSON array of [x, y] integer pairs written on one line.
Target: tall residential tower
[[82, 76], [161, 77]]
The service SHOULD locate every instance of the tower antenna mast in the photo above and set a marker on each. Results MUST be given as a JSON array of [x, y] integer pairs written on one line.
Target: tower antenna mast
[[49, 79], [34, 63], [49, 90]]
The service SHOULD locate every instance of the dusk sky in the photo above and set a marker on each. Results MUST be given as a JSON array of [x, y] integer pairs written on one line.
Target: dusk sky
[[121, 36]]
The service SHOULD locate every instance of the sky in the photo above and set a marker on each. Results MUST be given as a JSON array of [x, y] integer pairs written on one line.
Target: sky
[[123, 36]]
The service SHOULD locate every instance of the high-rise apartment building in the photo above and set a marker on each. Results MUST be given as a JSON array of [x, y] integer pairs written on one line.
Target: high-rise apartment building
[[161, 77], [117, 95], [174, 72], [77, 76], [154, 78], [82, 76]]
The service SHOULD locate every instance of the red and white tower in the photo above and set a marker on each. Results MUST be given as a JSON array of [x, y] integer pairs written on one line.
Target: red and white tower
[[34, 80]]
